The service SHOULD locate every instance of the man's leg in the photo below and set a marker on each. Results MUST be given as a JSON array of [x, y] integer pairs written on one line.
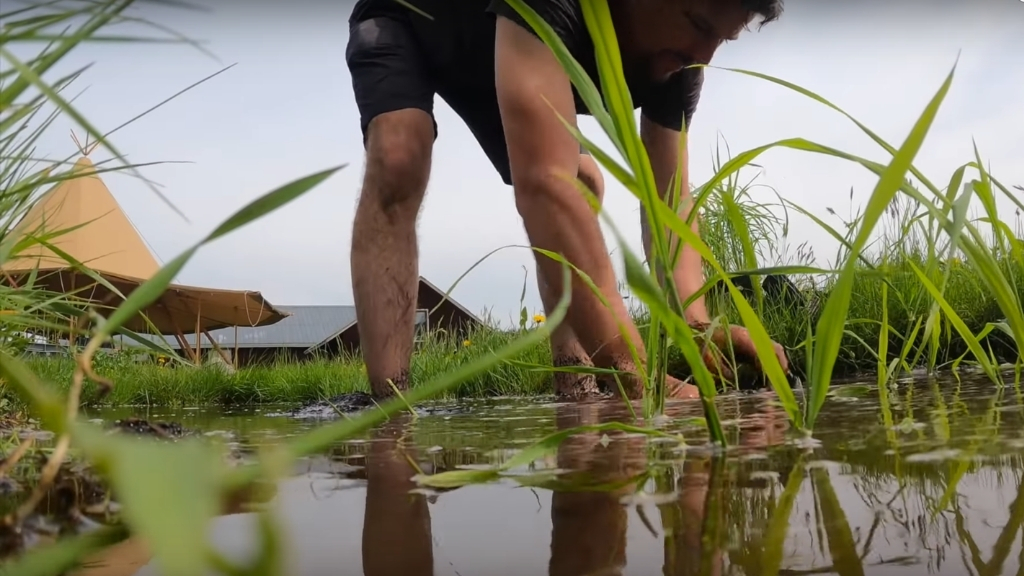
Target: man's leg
[[395, 98], [566, 349], [385, 273]]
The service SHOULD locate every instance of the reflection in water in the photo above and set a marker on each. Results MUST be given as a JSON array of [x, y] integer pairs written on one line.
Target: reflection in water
[[937, 492], [395, 517], [588, 527]]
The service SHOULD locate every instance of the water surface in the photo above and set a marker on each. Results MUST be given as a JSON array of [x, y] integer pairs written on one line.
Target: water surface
[[926, 482]]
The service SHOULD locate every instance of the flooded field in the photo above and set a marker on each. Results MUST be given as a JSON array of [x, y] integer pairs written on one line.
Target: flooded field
[[927, 481]]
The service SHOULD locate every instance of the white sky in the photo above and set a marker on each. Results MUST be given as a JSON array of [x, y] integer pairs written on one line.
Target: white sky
[[286, 110]]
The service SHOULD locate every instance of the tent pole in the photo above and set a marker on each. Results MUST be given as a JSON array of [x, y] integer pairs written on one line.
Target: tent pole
[[234, 357], [199, 338], [183, 342], [216, 346]]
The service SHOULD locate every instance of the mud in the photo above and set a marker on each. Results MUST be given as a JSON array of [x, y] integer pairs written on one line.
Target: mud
[[146, 428], [571, 386]]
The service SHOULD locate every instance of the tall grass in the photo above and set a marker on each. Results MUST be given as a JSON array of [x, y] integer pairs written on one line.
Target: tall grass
[[945, 214], [170, 491]]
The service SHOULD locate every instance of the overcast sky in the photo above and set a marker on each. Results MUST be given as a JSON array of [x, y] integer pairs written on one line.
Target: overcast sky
[[286, 110]]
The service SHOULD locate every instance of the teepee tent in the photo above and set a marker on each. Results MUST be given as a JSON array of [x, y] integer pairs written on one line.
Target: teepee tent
[[88, 225]]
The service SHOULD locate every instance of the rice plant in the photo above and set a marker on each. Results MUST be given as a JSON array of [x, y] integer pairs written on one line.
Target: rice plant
[[946, 212]]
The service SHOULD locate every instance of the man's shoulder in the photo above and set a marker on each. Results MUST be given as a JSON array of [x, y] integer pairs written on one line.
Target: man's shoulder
[[564, 16]]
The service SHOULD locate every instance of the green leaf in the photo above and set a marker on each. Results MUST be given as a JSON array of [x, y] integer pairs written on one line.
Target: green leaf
[[832, 321], [958, 323], [169, 492], [584, 85], [271, 201]]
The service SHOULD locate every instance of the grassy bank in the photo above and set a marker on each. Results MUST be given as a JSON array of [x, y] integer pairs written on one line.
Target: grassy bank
[[907, 304], [886, 291]]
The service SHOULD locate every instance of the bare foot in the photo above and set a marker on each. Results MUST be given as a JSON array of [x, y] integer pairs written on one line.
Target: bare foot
[[634, 388], [572, 386], [676, 388]]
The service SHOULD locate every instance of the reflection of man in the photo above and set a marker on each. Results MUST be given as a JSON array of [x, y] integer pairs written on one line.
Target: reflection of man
[[589, 520], [508, 87], [588, 527], [396, 523]]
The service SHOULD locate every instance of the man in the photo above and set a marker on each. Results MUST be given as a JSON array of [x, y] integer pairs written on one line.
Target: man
[[485, 61]]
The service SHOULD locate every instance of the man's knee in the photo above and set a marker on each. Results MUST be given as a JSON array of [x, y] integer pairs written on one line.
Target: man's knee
[[591, 177], [398, 151]]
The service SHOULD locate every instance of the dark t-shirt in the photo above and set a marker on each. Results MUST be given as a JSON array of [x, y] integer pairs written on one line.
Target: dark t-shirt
[[459, 46], [664, 103]]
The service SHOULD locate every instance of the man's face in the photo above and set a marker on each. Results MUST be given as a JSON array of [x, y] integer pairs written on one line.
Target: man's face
[[668, 35]]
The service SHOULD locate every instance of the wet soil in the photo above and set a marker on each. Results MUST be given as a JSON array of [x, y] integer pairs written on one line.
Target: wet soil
[[355, 402]]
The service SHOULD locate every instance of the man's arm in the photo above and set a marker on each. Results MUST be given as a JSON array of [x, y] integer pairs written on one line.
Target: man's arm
[[662, 146], [533, 90]]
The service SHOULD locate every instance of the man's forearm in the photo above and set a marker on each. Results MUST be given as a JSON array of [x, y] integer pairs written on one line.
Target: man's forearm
[[688, 274]]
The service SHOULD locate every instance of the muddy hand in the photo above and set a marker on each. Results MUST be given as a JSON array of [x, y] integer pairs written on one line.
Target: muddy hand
[[743, 348]]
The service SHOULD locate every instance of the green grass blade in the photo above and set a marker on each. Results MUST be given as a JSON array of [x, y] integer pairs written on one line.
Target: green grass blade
[[585, 86], [958, 323], [834, 314]]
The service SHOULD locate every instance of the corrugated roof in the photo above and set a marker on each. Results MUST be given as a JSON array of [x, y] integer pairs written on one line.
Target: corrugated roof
[[306, 326]]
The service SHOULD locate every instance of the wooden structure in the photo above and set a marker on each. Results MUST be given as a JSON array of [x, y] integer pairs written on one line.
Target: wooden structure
[[80, 218], [327, 330], [434, 311]]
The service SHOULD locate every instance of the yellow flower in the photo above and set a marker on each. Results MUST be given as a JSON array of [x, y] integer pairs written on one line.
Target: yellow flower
[[956, 262], [538, 318], [466, 343]]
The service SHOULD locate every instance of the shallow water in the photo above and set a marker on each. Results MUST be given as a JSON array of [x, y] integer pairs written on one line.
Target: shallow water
[[938, 492]]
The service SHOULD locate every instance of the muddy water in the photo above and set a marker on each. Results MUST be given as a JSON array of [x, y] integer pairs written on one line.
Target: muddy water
[[926, 481]]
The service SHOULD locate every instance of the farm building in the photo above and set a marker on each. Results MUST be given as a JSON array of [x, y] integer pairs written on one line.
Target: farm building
[[314, 331]]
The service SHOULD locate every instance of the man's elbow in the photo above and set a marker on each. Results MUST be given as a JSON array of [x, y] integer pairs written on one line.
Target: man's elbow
[[541, 187]]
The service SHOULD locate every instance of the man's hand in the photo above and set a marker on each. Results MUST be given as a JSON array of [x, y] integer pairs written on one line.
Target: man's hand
[[716, 351], [663, 149]]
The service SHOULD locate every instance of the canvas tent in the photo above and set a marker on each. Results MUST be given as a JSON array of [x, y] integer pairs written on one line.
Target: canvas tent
[[103, 239]]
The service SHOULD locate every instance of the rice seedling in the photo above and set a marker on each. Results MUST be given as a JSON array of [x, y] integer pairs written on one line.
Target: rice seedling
[[655, 286]]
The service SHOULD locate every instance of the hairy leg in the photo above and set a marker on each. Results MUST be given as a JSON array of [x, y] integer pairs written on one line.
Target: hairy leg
[[384, 253]]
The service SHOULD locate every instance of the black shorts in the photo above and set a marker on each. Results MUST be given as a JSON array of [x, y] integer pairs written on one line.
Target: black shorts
[[400, 60]]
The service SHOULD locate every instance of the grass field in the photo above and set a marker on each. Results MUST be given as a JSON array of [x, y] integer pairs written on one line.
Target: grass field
[[524, 375]]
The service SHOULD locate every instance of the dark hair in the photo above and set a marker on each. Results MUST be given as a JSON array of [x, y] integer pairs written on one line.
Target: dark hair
[[768, 10]]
